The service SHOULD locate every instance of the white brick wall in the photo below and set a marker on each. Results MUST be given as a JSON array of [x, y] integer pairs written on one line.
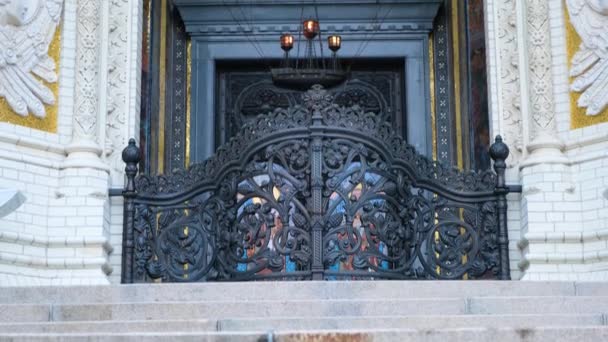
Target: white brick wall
[[563, 207], [68, 231], [560, 66], [60, 234], [46, 238], [116, 226], [575, 235], [569, 215]]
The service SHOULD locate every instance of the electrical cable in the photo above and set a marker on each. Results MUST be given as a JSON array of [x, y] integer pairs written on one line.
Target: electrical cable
[[241, 28]]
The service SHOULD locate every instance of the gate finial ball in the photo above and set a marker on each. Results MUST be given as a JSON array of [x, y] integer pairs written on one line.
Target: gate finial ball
[[499, 151]]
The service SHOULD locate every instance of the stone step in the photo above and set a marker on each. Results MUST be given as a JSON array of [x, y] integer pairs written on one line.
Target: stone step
[[162, 326], [537, 305], [303, 308], [253, 309], [304, 290], [305, 323], [427, 335], [405, 322], [345, 307]]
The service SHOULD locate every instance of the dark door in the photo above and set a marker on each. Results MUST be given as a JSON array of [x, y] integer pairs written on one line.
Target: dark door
[[245, 90]]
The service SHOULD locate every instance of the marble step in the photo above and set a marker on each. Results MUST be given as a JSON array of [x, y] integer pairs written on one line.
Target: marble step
[[304, 290], [160, 326], [302, 308], [306, 323], [409, 322], [537, 334]]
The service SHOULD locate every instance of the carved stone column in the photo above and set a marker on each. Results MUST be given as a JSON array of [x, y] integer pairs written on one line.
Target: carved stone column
[[545, 146], [84, 178], [84, 150], [508, 117], [545, 173]]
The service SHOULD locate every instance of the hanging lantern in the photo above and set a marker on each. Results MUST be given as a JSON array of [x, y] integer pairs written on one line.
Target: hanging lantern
[[334, 42], [304, 71], [287, 42], [311, 29]]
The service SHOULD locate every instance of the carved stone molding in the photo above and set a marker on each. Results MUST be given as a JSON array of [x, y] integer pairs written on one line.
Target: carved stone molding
[[87, 69], [123, 74], [231, 30], [271, 17], [539, 66], [27, 28], [117, 82], [545, 146], [509, 77], [84, 150]]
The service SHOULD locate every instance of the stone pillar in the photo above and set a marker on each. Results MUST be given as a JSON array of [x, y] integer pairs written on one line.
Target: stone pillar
[[545, 172], [84, 150], [545, 147], [82, 195], [124, 50], [504, 84]]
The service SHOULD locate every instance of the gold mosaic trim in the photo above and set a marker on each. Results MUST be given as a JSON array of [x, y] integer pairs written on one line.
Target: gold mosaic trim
[[578, 117], [48, 123]]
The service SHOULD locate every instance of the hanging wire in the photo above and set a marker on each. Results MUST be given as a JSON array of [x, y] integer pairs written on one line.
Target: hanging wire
[[250, 23], [367, 38], [320, 37], [375, 30], [241, 28], [299, 38], [374, 22]]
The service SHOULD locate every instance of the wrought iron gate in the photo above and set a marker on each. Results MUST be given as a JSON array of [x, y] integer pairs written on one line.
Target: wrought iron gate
[[315, 192]]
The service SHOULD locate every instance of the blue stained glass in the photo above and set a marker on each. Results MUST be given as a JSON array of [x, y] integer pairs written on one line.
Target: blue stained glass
[[384, 250], [242, 267], [290, 266]]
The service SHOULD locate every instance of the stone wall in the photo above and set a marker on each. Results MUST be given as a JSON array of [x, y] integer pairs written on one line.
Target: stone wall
[[561, 230], [66, 232]]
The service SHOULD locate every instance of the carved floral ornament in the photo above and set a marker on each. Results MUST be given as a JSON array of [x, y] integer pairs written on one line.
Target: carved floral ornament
[[26, 30], [589, 66]]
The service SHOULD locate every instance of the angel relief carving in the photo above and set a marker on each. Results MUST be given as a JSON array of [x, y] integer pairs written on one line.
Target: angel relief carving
[[589, 66], [26, 30]]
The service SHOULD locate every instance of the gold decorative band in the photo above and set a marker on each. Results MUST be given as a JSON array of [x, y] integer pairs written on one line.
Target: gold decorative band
[[578, 116], [49, 122]]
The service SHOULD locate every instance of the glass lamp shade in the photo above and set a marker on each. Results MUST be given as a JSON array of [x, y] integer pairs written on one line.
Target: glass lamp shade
[[334, 43], [287, 42], [311, 29]]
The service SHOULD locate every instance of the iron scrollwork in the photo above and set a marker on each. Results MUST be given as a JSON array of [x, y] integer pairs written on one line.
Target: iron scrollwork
[[319, 191], [249, 93]]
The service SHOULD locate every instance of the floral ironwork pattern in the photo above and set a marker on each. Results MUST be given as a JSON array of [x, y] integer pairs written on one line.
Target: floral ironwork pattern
[[316, 192]]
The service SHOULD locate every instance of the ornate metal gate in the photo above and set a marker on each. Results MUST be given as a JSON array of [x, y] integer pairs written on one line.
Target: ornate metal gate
[[315, 192]]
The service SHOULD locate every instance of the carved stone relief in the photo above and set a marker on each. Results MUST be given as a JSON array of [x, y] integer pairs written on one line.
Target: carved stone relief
[[539, 67], [87, 69], [589, 66], [27, 28], [117, 82], [509, 77]]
